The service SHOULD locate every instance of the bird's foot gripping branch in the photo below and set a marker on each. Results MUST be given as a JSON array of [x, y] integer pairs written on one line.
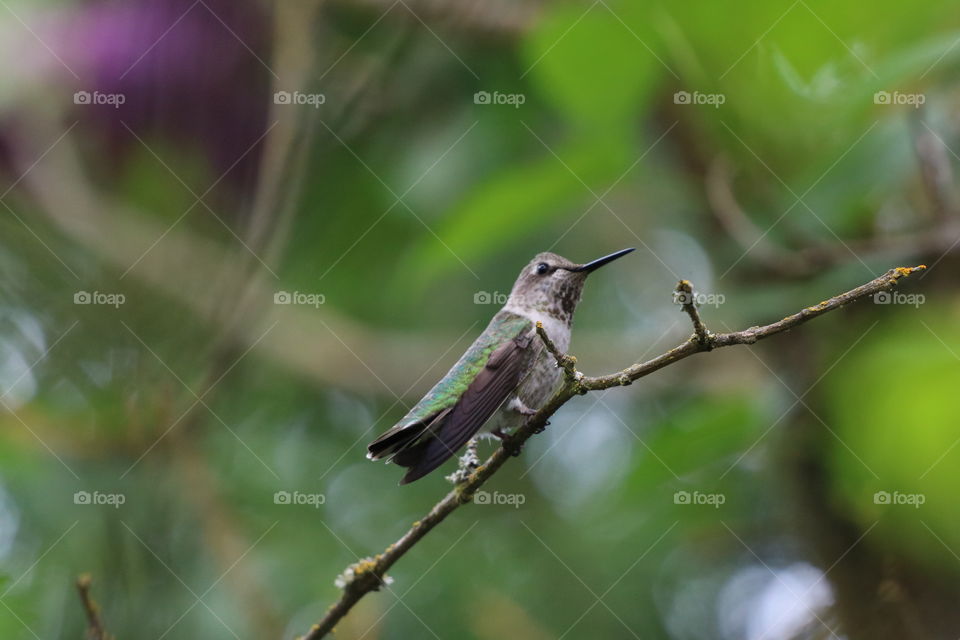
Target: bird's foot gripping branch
[[369, 574]]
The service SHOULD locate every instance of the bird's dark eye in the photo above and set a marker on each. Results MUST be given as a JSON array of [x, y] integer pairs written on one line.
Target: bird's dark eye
[[542, 268]]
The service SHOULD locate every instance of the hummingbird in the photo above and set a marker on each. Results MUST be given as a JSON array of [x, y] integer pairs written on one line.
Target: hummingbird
[[502, 379]]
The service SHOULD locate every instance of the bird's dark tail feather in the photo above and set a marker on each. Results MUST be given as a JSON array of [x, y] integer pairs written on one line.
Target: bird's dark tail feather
[[390, 443], [430, 453], [422, 458], [403, 437], [411, 455]]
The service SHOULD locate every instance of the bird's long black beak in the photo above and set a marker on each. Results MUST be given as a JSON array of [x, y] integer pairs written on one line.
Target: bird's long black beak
[[599, 262]]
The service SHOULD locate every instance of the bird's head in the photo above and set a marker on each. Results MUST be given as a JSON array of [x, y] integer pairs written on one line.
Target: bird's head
[[551, 284]]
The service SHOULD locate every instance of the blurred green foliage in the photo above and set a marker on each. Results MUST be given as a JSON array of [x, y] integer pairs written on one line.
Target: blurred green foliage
[[891, 403], [199, 399]]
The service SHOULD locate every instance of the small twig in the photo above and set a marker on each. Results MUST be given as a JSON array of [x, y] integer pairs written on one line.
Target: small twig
[[935, 240], [368, 576], [734, 220], [564, 361], [751, 335], [95, 628], [684, 295]]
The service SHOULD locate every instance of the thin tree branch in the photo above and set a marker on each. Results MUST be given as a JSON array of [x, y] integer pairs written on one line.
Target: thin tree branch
[[369, 574], [95, 628], [566, 362], [685, 296], [934, 240]]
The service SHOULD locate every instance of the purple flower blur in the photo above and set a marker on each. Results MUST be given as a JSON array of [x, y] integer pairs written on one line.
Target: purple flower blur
[[188, 73]]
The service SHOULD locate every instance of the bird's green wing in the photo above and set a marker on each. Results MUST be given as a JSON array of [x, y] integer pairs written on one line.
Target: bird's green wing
[[488, 391], [460, 382]]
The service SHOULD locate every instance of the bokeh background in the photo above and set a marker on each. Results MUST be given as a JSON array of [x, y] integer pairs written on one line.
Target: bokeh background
[[239, 239]]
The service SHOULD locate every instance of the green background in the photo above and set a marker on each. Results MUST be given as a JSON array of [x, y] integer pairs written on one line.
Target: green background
[[401, 201]]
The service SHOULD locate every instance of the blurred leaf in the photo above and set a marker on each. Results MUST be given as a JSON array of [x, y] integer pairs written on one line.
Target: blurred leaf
[[702, 435], [518, 201], [892, 402], [148, 185], [590, 64]]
